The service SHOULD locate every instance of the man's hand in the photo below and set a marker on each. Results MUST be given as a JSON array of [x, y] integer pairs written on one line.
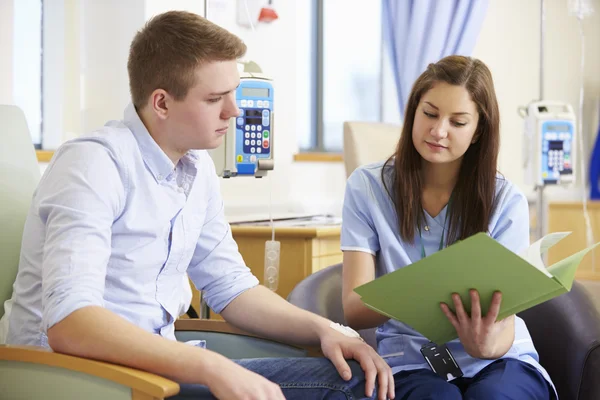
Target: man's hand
[[229, 381], [482, 337], [262, 312], [338, 348]]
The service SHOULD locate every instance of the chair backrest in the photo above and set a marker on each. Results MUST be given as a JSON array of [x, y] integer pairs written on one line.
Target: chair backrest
[[368, 142], [571, 354], [566, 334], [19, 176], [321, 293]]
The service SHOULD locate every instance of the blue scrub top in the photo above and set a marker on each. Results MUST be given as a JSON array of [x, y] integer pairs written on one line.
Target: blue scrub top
[[369, 224]]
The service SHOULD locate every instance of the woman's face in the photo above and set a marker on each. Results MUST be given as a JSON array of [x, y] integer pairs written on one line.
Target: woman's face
[[445, 123]]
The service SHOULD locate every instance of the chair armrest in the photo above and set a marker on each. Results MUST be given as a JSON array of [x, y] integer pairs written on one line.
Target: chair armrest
[[217, 326], [566, 334], [143, 384], [210, 325]]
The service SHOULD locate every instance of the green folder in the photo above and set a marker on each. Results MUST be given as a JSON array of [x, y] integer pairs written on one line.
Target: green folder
[[413, 294]]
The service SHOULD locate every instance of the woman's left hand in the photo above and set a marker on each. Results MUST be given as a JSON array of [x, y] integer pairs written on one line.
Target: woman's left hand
[[481, 336]]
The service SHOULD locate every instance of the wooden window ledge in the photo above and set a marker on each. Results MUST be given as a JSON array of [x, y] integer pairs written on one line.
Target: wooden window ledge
[[318, 157], [44, 155]]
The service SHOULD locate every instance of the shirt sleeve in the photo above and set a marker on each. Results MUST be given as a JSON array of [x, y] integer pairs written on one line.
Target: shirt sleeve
[[512, 224], [358, 229], [77, 200], [217, 267]]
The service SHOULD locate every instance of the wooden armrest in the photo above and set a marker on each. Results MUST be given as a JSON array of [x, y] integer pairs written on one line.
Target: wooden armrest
[[145, 383], [207, 325], [210, 325]]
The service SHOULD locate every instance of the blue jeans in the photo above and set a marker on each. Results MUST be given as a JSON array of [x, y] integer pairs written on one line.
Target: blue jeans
[[317, 378], [299, 378], [505, 379]]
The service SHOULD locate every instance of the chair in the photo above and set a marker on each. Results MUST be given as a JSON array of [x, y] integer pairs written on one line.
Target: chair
[[31, 372], [565, 330], [368, 142]]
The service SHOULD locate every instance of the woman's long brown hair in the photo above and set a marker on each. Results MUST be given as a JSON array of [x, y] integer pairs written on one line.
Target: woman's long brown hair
[[473, 195]]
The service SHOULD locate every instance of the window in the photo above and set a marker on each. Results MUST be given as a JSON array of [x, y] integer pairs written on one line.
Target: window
[[27, 64], [38, 67], [346, 70], [84, 65]]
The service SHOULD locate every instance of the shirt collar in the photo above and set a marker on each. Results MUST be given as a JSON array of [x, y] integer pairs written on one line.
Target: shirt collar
[[193, 156], [157, 161]]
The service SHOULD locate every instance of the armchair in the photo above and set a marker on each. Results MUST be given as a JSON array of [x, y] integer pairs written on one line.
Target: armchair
[[565, 330], [368, 142], [31, 372]]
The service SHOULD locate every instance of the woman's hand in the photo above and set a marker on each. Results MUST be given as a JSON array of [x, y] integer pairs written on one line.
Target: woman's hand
[[482, 336]]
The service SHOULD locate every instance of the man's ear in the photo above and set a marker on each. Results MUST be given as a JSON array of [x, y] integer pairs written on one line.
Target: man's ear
[[159, 100]]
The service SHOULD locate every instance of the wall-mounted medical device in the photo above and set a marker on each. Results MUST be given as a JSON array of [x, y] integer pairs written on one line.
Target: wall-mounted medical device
[[247, 149], [549, 143]]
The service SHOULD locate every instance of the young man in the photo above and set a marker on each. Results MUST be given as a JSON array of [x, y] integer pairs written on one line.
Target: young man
[[123, 215]]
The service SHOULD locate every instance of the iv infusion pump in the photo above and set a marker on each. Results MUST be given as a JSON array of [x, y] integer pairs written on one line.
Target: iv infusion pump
[[247, 149], [549, 143]]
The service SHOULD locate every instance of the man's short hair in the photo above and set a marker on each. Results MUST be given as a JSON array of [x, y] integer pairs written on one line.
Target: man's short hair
[[165, 53]]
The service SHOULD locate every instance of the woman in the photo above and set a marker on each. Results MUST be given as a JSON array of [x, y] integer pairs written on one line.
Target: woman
[[440, 186]]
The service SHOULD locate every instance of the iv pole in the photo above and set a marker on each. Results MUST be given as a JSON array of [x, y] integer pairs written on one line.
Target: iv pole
[[204, 308], [540, 228]]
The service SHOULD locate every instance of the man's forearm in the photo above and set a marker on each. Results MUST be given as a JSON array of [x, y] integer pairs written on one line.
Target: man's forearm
[[96, 333], [260, 311]]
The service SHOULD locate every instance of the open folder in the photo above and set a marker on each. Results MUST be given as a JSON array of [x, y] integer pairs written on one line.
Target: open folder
[[413, 294]]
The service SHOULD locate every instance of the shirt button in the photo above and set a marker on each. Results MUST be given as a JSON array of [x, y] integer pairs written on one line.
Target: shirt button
[[159, 177]]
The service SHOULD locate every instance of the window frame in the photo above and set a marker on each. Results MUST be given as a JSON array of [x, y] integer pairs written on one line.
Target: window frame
[[317, 131]]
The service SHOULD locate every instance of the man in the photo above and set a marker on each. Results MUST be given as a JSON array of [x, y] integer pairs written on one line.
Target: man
[[123, 215]]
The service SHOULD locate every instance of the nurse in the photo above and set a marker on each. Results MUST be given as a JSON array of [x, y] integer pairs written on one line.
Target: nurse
[[440, 186]]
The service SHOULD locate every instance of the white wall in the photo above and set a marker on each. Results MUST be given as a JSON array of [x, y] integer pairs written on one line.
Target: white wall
[[72, 73], [20, 59], [108, 28], [509, 45], [562, 70], [97, 84], [282, 48], [6, 48]]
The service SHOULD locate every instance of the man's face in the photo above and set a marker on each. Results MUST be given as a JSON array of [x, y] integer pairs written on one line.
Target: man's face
[[201, 119]]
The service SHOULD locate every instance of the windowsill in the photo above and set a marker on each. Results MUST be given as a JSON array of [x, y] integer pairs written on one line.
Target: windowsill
[[44, 155], [318, 157]]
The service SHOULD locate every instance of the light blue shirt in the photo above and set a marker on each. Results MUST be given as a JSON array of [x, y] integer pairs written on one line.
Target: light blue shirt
[[369, 224], [114, 223]]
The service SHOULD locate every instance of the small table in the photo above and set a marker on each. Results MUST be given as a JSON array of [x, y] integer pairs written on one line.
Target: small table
[[305, 249]]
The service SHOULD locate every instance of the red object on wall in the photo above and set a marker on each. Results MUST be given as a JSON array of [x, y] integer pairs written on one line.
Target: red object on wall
[[267, 14]]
